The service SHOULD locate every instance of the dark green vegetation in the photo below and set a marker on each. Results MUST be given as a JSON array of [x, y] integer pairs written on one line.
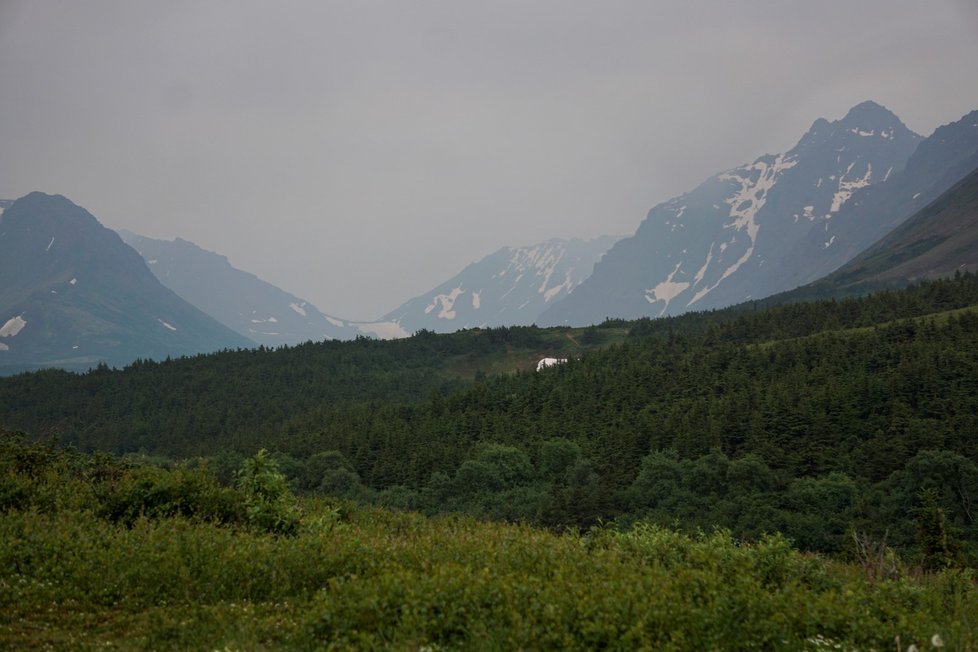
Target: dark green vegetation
[[815, 420], [99, 552], [243, 400]]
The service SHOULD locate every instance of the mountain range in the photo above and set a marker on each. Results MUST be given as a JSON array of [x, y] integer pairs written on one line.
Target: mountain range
[[73, 294], [939, 162], [938, 241], [863, 195], [512, 286], [731, 238], [509, 287], [241, 301]]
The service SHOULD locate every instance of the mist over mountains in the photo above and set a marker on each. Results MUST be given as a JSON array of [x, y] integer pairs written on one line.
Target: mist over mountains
[[73, 294], [512, 286], [241, 301], [940, 240], [731, 238]]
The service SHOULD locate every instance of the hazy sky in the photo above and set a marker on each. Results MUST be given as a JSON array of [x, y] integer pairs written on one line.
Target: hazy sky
[[358, 153]]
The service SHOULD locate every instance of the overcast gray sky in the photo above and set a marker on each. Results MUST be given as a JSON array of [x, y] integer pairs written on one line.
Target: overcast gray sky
[[358, 153]]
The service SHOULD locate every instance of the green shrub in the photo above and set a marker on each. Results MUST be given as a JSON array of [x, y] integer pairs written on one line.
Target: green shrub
[[154, 493], [268, 502]]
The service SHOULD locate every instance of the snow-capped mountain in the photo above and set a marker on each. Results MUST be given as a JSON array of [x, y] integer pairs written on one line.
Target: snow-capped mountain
[[240, 300], [73, 294], [939, 162], [512, 286], [938, 240], [728, 240]]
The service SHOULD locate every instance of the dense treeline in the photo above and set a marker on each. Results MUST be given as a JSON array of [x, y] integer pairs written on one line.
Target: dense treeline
[[809, 419], [99, 552], [808, 436], [234, 399]]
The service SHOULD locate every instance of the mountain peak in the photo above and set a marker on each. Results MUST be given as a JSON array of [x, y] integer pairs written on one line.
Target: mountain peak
[[41, 200], [53, 211], [818, 126], [511, 286], [865, 119], [870, 114], [86, 296], [37, 195], [726, 240]]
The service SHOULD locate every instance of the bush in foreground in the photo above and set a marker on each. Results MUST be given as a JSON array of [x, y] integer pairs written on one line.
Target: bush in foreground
[[363, 578]]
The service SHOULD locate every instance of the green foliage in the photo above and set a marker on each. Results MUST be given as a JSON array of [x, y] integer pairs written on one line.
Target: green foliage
[[153, 493], [805, 419], [319, 465], [557, 457], [355, 577], [40, 476], [269, 504], [938, 544], [816, 426]]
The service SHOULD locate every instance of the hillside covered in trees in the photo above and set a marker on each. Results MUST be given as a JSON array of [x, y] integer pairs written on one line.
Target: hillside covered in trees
[[810, 419]]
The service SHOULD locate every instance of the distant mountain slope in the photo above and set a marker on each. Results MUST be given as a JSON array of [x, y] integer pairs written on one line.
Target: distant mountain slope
[[239, 300], [73, 294], [512, 286], [938, 240], [728, 240], [939, 162]]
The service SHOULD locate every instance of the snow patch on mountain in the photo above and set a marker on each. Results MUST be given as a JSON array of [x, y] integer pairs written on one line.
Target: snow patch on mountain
[[706, 264], [756, 181], [566, 286], [166, 325], [667, 290], [13, 326], [727, 239], [511, 286], [299, 309], [447, 302], [846, 188]]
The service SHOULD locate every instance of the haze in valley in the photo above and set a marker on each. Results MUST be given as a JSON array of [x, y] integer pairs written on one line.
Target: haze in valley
[[358, 153]]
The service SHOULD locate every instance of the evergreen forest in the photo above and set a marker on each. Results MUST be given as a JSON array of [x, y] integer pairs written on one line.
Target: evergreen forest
[[734, 442]]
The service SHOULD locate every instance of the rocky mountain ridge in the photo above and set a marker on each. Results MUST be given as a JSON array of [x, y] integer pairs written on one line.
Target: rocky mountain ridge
[[73, 294], [511, 286], [730, 239]]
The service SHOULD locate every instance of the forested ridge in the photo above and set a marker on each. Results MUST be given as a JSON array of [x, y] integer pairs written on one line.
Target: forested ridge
[[815, 419]]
